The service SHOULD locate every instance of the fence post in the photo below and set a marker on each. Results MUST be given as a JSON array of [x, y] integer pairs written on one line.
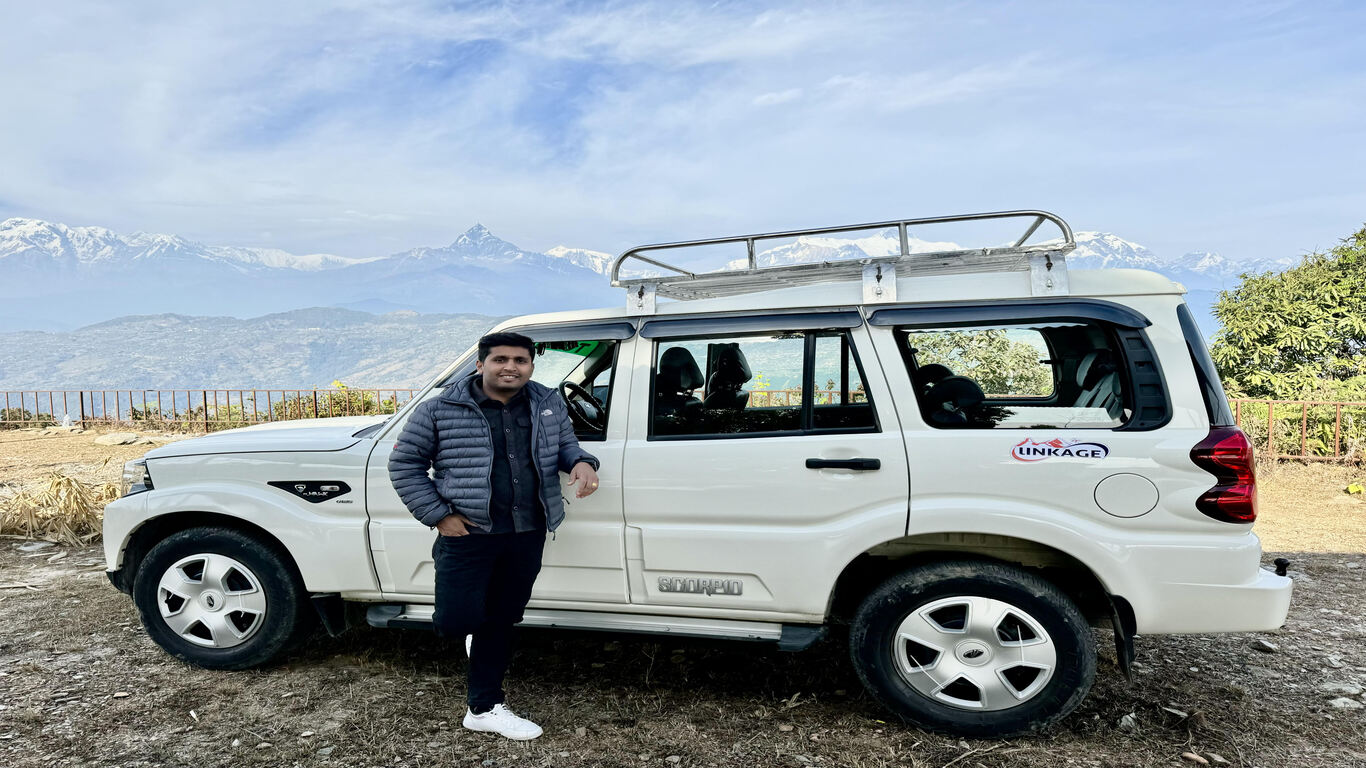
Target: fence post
[[204, 397], [1304, 429], [315, 403], [1270, 427]]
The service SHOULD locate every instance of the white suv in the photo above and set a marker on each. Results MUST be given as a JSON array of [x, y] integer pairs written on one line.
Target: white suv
[[968, 458]]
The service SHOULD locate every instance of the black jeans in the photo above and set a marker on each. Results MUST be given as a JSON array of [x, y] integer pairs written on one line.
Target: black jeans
[[483, 582]]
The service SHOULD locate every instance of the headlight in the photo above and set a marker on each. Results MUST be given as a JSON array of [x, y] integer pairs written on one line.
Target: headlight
[[135, 477]]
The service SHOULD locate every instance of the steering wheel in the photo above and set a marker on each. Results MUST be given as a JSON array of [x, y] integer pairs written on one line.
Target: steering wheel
[[577, 398]]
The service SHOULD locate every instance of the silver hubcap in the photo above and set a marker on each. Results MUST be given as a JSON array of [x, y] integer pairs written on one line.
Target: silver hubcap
[[974, 653], [211, 600]]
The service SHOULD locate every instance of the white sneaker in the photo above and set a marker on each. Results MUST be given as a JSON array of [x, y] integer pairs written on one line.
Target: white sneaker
[[501, 721]]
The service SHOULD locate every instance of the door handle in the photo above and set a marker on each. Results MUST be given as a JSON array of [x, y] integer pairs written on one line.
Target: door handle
[[858, 464]]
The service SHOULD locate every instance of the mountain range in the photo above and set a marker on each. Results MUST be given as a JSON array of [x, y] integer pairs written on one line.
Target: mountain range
[[148, 310], [54, 277]]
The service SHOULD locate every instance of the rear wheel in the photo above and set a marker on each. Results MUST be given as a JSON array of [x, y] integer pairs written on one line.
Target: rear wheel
[[971, 648], [220, 599]]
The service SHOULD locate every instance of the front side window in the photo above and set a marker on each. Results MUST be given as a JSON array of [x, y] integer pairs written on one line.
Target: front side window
[[1066, 374], [582, 372], [764, 384]]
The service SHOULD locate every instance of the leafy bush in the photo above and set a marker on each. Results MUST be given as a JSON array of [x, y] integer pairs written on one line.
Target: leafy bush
[[1298, 334], [16, 417]]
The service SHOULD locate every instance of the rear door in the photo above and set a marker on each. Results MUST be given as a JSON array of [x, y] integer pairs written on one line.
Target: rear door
[[1052, 414]]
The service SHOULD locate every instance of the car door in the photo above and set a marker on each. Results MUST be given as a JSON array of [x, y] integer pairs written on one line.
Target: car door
[[1042, 419], [584, 559], [763, 455]]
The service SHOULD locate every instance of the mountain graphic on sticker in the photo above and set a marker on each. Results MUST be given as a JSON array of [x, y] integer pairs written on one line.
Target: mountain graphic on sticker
[[1030, 450]]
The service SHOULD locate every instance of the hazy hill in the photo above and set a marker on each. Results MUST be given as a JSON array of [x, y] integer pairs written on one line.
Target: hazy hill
[[303, 348]]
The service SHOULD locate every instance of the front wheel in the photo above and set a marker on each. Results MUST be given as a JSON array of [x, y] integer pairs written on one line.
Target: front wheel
[[220, 599], [973, 649]]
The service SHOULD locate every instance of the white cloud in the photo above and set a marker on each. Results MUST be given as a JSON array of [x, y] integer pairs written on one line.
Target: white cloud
[[367, 127], [782, 97]]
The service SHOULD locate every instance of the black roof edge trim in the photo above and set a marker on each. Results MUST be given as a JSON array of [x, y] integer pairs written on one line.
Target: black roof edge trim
[[775, 321], [1006, 310], [606, 330]]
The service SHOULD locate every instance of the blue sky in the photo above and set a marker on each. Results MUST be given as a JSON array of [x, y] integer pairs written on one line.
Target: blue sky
[[364, 128]]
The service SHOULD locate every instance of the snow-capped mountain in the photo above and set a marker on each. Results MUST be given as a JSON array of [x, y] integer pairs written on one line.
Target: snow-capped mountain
[[1101, 250], [57, 277], [274, 258], [1094, 250], [595, 260], [40, 244], [833, 248]]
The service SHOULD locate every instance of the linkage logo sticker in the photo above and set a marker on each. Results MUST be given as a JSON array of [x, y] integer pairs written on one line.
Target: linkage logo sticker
[[1032, 450]]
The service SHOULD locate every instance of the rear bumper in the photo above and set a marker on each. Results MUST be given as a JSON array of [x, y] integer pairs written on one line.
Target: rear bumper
[[1184, 608]]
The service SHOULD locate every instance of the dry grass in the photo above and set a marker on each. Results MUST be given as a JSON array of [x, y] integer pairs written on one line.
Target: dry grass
[[1306, 508], [81, 684], [65, 510]]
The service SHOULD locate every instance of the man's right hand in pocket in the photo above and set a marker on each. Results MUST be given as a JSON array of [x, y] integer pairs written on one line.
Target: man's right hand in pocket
[[454, 525]]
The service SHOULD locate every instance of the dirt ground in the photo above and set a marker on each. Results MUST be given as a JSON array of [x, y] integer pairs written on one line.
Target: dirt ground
[[81, 684]]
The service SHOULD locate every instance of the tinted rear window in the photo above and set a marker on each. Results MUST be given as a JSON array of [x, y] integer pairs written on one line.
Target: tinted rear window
[[1211, 389]]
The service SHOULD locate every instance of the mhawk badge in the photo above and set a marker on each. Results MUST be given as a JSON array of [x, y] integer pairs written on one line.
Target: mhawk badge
[[313, 490]]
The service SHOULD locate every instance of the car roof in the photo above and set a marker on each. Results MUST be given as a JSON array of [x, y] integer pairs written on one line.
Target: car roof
[[1084, 283]]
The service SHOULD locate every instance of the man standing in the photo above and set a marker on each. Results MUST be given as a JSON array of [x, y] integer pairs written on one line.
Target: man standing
[[498, 442]]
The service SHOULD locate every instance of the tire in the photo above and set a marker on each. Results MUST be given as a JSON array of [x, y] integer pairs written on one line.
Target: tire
[[221, 599], [973, 649]]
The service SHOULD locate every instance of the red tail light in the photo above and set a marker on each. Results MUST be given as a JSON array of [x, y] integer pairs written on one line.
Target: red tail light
[[1227, 455]]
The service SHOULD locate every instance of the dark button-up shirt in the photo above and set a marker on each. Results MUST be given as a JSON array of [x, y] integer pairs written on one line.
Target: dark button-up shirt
[[515, 504]]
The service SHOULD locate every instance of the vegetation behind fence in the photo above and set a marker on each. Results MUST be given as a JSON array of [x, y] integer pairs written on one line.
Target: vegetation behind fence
[[194, 409], [1279, 429]]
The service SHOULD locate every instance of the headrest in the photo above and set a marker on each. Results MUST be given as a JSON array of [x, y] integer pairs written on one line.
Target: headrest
[[932, 374], [958, 391], [732, 370], [678, 371], [1093, 366]]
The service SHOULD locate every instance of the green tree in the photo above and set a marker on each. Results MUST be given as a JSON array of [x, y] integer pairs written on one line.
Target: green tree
[[1297, 334], [999, 364]]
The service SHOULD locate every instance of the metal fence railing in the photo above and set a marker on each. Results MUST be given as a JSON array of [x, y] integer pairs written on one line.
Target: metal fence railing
[[196, 409], [1311, 430]]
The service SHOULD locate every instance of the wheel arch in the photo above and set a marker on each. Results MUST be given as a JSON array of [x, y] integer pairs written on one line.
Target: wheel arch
[[146, 536], [1073, 577]]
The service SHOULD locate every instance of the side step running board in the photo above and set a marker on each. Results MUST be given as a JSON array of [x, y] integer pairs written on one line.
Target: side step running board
[[789, 637]]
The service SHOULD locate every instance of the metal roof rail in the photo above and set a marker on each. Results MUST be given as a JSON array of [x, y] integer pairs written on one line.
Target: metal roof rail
[[1044, 261]]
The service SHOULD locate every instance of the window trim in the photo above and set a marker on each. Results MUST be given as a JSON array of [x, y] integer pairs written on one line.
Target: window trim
[[806, 409], [1206, 373], [969, 313], [606, 330], [675, 329]]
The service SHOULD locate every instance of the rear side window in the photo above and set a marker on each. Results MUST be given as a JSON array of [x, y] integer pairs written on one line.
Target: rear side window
[[1211, 389], [1066, 374]]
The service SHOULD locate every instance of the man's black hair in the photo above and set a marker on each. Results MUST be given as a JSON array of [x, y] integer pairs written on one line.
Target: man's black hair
[[505, 340]]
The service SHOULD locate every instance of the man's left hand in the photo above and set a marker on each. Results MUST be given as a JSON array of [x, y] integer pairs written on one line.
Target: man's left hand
[[583, 476]]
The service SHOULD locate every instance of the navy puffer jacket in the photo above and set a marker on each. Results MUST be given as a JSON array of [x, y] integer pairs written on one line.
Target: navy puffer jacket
[[450, 432]]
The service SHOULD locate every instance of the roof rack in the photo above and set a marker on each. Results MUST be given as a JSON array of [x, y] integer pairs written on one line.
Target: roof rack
[[1044, 261]]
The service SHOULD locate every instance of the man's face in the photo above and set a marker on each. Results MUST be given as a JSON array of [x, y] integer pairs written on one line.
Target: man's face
[[505, 371]]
